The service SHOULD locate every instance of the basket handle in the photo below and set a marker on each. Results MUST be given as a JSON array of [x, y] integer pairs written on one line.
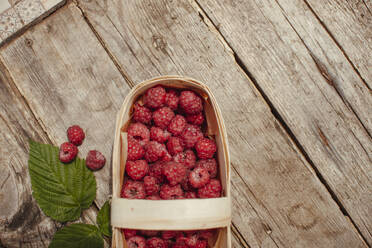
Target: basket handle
[[171, 214]]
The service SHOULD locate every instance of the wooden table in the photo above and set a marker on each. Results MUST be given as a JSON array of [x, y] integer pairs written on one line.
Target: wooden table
[[293, 79]]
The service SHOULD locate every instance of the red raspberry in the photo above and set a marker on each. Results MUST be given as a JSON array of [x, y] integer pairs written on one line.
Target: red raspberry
[[151, 185], [196, 119], [171, 99], [192, 239], [207, 233], [175, 145], [211, 190], [135, 150], [136, 242], [199, 177], [154, 151], [95, 160], [177, 124], [139, 132], [185, 184], [156, 170], [156, 243], [155, 97], [181, 242], [168, 234], [128, 233], [142, 114], [159, 135], [190, 102], [133, 190], [167, 157], [75, 135], [210, 165], [137, 169], [153, 197], [162, 117], [190, 195], [149, 233], [67, 152], [168, 192], [190, 135], [205, 148], [174, 172], [187, 158], [202, 243]]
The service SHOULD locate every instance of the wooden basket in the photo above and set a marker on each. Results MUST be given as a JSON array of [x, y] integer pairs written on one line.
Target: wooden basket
[[185, 214]]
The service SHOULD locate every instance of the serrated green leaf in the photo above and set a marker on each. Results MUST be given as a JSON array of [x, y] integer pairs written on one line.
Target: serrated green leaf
[[103, 219], [61, 190], [77, 236]]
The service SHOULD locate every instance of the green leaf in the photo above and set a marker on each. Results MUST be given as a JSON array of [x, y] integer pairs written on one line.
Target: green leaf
[[61, 190], [77, 236], [103, 219]]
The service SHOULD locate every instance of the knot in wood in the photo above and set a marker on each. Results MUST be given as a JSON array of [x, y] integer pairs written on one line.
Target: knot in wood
[[159, 42]]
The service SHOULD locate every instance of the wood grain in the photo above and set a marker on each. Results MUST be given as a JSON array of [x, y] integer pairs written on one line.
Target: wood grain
[[305, 83], [286, 204]]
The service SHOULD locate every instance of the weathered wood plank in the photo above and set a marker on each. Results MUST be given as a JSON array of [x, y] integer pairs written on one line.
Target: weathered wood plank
[[307, 80], [278, 200]]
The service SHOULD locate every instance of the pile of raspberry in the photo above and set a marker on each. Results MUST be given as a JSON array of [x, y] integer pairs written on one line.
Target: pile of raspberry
[[169, 157]]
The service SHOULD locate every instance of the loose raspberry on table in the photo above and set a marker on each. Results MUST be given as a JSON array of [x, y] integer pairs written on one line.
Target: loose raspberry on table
[[154, 151], [135, 150], [142, 114], [159, 135], [151, 184], [155, 97], [187, 158], [195, 119], [202, 243], [168, 192], [210, 165], [137, 169], [168, 234], [174, 172], [67, 152], [139, 132], [136, 242], [175, 145], [95, 160], [190, 195], [156, 170], [156, 242], [199, 177], [75, 135], [149, 233], [190, 135], [205, 148], [128, 233], [162, 117], [153, 197], [211, 190], [177, 124], [171, 99], [190, 102], [133, 190]]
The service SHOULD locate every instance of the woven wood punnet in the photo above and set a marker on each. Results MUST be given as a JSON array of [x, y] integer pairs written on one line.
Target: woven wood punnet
[[185, 214]]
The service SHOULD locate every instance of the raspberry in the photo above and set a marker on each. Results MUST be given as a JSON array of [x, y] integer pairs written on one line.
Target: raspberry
[[174, 172], [151, 185], [168, 192], [207, 233], [166, 157], [190, 102], [205, 148], [149, 233], [159, 135], [136, 242], [154, 151], [135, 150], [177, 124], [199, 177], [211, 190], [190, 135], [190, 195], [142, 114], [168, 234], [162, 117], [210, 165], [153, 197], [187, 158], [133, 190], [185, 184], [202, 243], [75, 135], [175, 145], [181, 242], [155, 97], [156, 171], [67, 152], [192, 239], [196, 119], [128, 233], [95, 160], [156, 243], [171, 99], [139, 132], [137, 169]]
